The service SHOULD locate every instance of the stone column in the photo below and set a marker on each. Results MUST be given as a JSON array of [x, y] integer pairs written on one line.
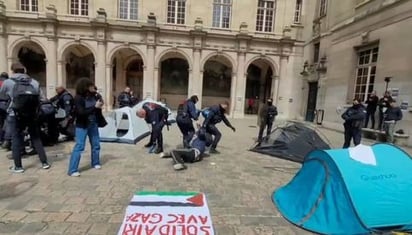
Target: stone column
[[100, 74], [190, 83], [275, 89], [10, 61], [239, 101], [148, 74], [51, 66], [233, 94], [109, 87], [284, 90], [195, 84], [60, 70], [3, 53], [156, 84]]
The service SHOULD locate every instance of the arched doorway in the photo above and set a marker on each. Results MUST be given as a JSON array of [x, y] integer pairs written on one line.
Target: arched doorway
[[174, 80], [127, 71], [79, 62], [217, 81], [258, 85], [32, 56]]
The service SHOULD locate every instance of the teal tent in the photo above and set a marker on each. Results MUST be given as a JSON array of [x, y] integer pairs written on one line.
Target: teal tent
[[350, 191]]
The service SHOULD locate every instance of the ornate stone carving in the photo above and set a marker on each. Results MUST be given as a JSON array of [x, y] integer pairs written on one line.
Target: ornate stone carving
[[198, 24], [151, 19], [51, 11]]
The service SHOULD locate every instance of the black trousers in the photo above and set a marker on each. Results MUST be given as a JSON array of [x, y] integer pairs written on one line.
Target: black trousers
[[352, 133], [212, 129], [380, 125], [370, 115], [184, 155], [268, 125], [3, 116], [157, 135], [185, 125], [18, 127]]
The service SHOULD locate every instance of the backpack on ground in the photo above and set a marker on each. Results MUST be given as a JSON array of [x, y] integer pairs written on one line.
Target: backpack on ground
[[26, 99]]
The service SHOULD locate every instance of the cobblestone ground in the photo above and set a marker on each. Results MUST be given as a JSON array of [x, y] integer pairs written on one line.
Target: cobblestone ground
[[238, 185]]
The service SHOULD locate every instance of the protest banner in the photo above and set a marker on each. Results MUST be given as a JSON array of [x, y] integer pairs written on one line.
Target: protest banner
[[167, 213]]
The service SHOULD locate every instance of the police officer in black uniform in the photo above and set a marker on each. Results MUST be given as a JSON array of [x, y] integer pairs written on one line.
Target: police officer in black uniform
[[64, 100], [155, 115], [186, 112], [125, 98], [354, 118], [267, 115], [215, 115]]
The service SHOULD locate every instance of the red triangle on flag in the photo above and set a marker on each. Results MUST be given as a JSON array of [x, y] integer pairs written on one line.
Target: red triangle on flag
[[197, 199]]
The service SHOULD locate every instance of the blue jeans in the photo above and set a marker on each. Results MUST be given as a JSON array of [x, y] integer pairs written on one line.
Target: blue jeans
[[81, 133]]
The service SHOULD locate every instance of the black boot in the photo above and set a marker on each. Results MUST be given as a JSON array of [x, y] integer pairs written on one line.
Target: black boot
[[148, 145]]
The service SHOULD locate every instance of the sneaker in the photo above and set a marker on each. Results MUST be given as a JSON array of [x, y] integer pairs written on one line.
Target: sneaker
[[214, 151], [16, 169], [75, 174], [179, 166], [45, 165], [98, 167], [164, 155]]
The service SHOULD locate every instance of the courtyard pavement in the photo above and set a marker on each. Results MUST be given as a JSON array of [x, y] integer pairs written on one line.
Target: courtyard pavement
[[238, 185]]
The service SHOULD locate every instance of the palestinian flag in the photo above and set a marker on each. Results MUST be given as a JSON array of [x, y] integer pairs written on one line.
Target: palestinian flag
[[168, 199]]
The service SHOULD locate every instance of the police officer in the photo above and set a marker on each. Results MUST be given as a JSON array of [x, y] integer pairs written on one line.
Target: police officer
[[186, 112], [215, 115], [267, 116], [354, 118], [64, 100], [4, 101], [157, 117], [125, 98]]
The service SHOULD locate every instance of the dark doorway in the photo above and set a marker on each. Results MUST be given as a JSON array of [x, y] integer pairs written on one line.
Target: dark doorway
[[35, 64], [312, 96]]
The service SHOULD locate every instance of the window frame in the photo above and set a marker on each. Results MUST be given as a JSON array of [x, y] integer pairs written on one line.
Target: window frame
[[79, 8], [365, 88], [263, 28], [129, 10], [220, 4], [323, 8], [31, 7], [175, 18], [297, 17]]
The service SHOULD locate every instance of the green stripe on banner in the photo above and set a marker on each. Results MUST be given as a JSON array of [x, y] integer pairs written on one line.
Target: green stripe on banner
[[144, 193]]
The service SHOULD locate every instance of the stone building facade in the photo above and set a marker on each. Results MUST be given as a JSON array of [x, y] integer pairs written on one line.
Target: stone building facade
[[351, 46], [164, 49]]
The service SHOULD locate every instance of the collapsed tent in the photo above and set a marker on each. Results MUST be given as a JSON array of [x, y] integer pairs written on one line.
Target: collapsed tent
[[292, 142], [124, 126], [350, 191], [152, 103]]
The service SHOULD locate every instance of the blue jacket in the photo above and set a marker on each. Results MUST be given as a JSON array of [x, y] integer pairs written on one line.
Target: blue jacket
[[216, 115], [393, 114], [189, 110]]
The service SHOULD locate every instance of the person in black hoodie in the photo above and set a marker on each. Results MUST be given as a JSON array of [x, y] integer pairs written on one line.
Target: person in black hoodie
[[185, 114], [372, 104], [215, 115], [88, 115], [392, 115], [354, 118], [383, 106]]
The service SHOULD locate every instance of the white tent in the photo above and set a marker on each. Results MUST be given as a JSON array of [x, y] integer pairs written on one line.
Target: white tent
[[124, 126]]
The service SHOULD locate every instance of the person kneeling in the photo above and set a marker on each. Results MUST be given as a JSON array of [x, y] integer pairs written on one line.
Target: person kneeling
[[198, 145]]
